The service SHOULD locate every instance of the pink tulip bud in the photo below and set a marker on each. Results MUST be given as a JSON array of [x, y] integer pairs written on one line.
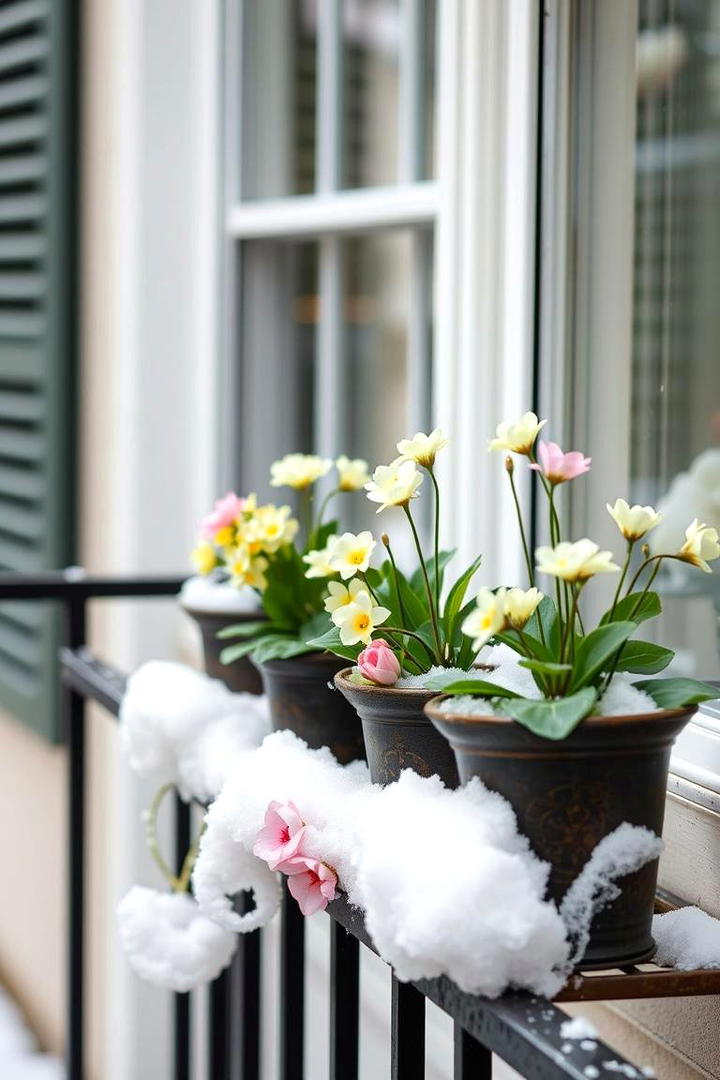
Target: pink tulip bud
[[379, 664], [225, 512], [558, 466]]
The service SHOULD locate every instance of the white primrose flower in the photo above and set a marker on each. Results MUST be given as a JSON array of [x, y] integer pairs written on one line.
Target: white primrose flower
[[520, 604], [487, 618], [395, 484], [340, 595], [633, 521], [701, 546], [357, 620], [319, 561], [298, 471], [169, 943], [352, 473], [351, 554], [575, 562], [519, 437], [422, 448]]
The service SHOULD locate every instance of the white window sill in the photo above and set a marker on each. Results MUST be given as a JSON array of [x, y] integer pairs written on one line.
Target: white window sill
[[695, 762]]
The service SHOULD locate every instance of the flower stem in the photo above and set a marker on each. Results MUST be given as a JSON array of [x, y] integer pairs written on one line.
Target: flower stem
[[523, 537], [401, 606], [152, 840], [437, 541], [431, 605], [651, 558], [323, 507], [412, 634], [621, 582]]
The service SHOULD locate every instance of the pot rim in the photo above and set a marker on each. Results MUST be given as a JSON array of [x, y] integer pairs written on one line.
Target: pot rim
[[342, 677], [433, 710], [314, 657], [241, 616]]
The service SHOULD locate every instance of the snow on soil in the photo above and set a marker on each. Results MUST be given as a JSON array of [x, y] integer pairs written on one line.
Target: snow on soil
[[687, 938], [206, 594]]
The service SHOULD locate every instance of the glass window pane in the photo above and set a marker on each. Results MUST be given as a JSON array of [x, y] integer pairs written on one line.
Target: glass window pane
[[675, 429], [278, 98]]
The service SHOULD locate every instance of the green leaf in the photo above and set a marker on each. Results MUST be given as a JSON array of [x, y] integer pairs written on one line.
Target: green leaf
[[279, 648], [235, 652], [330, 642], [649, 608], [512, 639], [675, 693], [245, 629], [546, 667], [316, 626], [595, 650], [644, 657], [417, 581], [454, 602], [545, 616], [553, 719], [477, 687]]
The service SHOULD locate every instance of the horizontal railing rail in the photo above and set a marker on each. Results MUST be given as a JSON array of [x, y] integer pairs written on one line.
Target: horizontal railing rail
[[523, 1030]]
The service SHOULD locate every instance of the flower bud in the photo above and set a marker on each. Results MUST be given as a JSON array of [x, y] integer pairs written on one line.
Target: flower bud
[[509, 465], [386, 540], [379, 664]]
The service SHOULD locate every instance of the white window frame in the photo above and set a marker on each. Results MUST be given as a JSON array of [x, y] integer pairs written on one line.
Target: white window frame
[[481, 209]]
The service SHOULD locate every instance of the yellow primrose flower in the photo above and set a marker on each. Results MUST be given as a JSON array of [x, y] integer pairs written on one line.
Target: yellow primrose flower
[[318, 561], [245, 570], [298, 471], [353, 473], [519, 437], [357, 620], [340, 595], [422, 448], [275, 525], [204, 558], [575, 562], [351, 554], [633, 521], [520, 605], [225, 537], [487, 618], [701, 545], [395, 484]]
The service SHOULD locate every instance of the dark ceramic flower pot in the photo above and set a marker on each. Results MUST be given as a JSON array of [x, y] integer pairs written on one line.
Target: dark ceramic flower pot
[[302, 698], [568, 795], [398, 734], [241, 676]]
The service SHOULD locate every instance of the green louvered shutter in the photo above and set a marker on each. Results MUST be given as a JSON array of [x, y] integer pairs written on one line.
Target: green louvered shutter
[[38, 58]]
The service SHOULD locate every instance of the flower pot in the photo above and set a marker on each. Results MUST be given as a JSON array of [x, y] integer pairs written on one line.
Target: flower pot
[[303, 699], [240, 676], [398, 734], [568, 795]]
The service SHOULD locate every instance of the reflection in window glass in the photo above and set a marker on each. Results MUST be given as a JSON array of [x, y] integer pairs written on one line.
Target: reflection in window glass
[[371, 39], [676, 370], [279, 72]]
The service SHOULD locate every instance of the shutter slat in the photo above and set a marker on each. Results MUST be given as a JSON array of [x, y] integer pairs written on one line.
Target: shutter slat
[[22, 14], [15, 555], [23, 91], [21, 485], [25, 524], [21, 246], [22, 53], [22, 169], [26, 130], [21, 446], [18, 406], [23, 682], [22, 207], [22, 287], [21, 325], [26, 617]]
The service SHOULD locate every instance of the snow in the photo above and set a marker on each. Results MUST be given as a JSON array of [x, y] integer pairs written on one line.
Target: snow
[[418, 682], [208, 594], [178, 726], [591, 1071], [687, 938], [577, 1028], [169, 942], [622, 852], [622, 699], [19, 1056]]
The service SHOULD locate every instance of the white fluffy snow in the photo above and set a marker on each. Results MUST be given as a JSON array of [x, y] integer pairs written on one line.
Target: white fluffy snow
[[622, 852], [206, 594], [19, 1055], [687, 938], [178, 726], [418, 682], [169, 942], [577, 1028], [622, 699]]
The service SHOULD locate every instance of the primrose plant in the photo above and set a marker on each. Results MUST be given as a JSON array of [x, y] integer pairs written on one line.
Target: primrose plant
[[266, 548], [571, 664], [373, 608]]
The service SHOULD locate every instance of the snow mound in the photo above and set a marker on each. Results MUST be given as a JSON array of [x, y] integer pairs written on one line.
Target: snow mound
[[578, 1028], [208, 594], [623, 699], [686, 939], [169, 942], [180, 727]]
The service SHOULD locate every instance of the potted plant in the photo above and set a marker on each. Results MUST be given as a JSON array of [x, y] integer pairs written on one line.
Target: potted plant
[[398, 629], [291, 580], [572, 727]]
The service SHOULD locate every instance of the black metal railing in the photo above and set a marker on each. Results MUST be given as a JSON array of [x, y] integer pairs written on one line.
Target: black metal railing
[[521, 1029]]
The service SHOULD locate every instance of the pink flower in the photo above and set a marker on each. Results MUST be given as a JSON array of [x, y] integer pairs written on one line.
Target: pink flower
[[280, 838], [224, 513], [379, 664], [312, 883], [559, 467]]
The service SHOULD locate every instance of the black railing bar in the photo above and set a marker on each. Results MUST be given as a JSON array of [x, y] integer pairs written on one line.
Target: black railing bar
[[75, 733], [521, 1029], [93, 679], [75, 583]]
